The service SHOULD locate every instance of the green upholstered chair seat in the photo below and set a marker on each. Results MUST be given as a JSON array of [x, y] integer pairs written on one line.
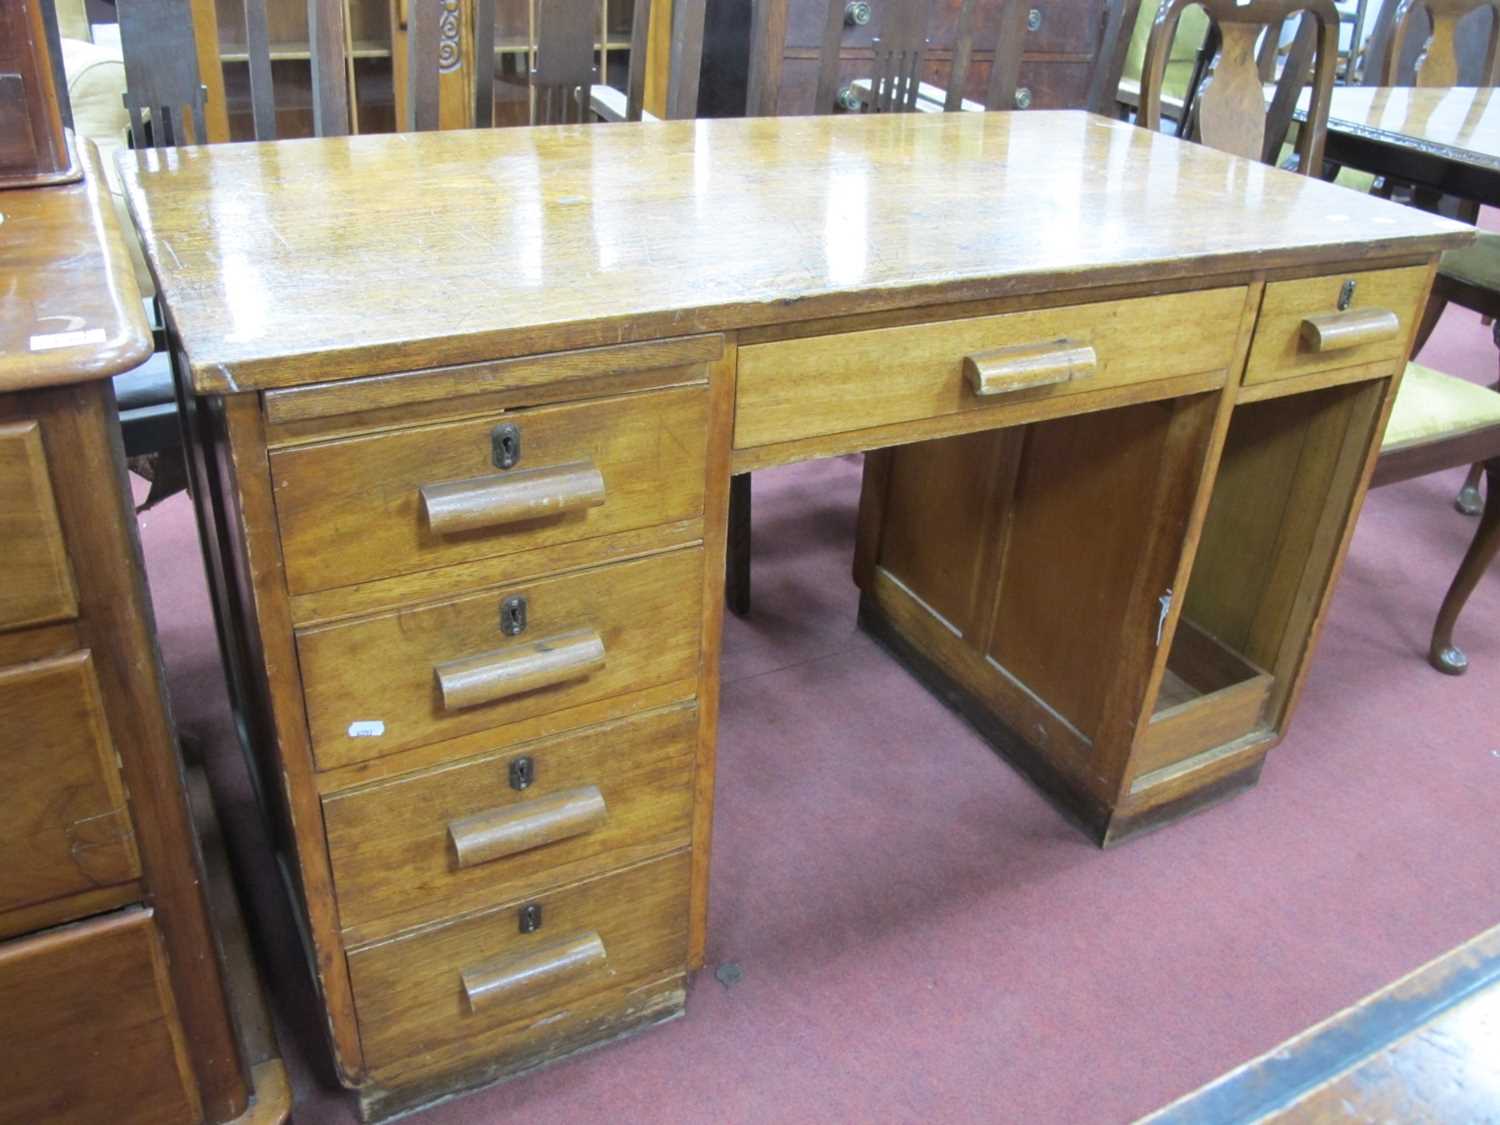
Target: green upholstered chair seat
[[1191, 30], [1477, 264], [1431, 406]]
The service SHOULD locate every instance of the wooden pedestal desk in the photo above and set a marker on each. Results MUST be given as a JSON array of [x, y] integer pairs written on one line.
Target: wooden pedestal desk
[[464, 408], [113, 1000]]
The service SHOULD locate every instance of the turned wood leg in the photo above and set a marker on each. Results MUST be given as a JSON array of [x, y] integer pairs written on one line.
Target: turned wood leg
[[737, 556], [1444, 654], [1468, 500]]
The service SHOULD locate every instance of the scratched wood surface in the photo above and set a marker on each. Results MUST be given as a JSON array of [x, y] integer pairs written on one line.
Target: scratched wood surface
[[276, 258]]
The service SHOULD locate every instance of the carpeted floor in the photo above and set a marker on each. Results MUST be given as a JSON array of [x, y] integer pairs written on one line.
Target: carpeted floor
[[921, 936]]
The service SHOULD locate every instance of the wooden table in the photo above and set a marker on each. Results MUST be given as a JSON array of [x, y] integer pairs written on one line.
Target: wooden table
[[463, 412], [1444, 139], [115, 1001]]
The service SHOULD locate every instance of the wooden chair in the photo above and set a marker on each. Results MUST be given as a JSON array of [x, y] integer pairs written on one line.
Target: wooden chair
[[565, 83], [1469, 277], [165, 96], [1226, 106], [1441, 422], [1121, 54], [895, 85]]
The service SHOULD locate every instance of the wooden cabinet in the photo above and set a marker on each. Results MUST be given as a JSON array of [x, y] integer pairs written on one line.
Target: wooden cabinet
[[115, 1006], [377, 60], [496, 615], [1061, 38], [1135, 644]]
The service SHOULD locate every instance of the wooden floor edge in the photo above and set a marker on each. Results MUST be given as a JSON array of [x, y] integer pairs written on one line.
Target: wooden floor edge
[[1274, 1081]]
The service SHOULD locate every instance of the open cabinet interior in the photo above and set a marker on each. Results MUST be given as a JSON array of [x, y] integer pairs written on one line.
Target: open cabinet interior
[[1276, 516]]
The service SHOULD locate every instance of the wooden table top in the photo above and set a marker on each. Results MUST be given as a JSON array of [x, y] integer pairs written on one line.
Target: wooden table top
[[362, 255], [70, 310], [1457, 123]]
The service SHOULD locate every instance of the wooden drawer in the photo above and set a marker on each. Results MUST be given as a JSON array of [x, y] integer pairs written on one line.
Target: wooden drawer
[[432, 844], [391, 503], [38, 582], [806, 387], [1301, 329], [414, 676], [66, 828], [90, 1031], [481, 972]]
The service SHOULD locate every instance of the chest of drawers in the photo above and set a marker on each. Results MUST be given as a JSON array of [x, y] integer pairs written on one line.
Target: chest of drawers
[[114, 992]]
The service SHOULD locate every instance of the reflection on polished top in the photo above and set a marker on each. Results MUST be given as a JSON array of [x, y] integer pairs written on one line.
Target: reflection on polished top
[[355, 255], [1463, 123], [69, 307]]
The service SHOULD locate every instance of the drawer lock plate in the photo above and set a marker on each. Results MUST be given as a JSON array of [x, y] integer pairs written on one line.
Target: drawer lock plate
[[505, 445], [513, 615], [530, 917], [522, 773]]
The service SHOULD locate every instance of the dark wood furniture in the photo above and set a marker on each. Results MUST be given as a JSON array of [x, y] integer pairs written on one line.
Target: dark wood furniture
[[793, 42], [468, 554], [1421, 1049], [35, 149], [115, 1000]]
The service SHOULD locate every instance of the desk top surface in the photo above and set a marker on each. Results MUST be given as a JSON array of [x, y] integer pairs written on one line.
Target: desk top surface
[[70, 311], [1459, 123], [365, 255]]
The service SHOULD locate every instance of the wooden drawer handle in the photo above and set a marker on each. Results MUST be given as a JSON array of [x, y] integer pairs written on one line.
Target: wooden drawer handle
[[1000, 371], [496, 833], [525, 494], [509, 979], [1352, 329], [520, 668]]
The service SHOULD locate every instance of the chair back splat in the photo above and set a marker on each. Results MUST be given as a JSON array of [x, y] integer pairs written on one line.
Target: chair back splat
[[1438, 62], [1228, 108]]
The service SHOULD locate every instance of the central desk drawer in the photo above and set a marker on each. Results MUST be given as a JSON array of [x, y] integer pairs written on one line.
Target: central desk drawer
[[818, 385], [413, 676], [479, 973], [433, 844], [391, 503]]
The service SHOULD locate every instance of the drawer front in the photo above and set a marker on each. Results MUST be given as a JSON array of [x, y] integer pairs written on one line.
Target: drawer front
[[482, 972], [392, 503], [789, 389], [1302, 330], [90, 1032], [415, 676], [436, 843], [66, 828], [38, 582]]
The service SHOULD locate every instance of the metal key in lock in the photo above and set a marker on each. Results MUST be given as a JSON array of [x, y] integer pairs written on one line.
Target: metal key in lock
[[1165, 604]]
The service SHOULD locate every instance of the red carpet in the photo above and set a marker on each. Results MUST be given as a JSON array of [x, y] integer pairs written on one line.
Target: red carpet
[[921, 936]]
